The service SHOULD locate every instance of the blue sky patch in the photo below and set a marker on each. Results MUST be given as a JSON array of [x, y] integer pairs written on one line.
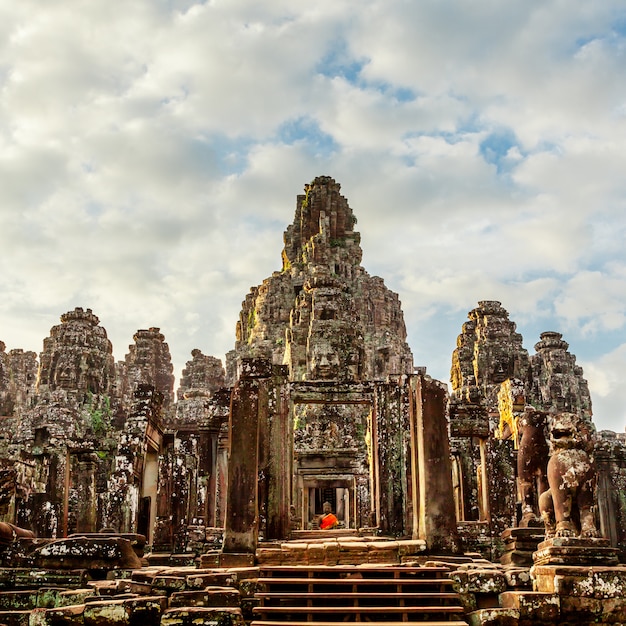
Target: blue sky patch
[[229, 153], [338, 62], [495, 147], [307, 131]]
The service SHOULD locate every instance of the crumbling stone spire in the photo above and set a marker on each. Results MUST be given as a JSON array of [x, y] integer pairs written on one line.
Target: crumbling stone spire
[[149, 362], [322, 231], [202, 375]]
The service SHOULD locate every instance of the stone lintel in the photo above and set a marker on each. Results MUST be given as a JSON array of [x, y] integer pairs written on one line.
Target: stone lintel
[[331, 392]]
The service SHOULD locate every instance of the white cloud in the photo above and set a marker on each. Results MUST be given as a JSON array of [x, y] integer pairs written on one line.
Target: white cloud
[[594, 300], [150, 157], [606, 378]]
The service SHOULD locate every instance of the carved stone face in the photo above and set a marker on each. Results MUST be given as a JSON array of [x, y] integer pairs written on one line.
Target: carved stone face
[[65, 374], [323, 361]]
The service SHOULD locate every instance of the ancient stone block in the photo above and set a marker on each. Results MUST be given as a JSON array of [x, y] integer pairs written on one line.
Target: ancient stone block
[[202, 616], [534, 606], [493, 617], [518, 577], [145, 611], [210, 597], [61, 616], [88, 553], [479, 581]]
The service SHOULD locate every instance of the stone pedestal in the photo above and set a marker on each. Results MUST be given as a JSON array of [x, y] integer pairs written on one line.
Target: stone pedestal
[[587, 593], [519, 545], [575, 551], [586, 576]]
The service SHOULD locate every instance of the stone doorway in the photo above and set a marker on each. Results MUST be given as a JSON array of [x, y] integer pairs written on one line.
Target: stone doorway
[[338, 491]]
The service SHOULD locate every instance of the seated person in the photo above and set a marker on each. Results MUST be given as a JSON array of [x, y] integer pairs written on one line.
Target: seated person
[[327, 519]]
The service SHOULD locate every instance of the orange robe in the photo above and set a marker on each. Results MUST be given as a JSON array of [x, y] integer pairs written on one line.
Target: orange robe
[[328, 521]]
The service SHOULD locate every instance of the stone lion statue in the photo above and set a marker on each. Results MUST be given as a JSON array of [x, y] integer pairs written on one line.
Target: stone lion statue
[[567, 506], [532, 461]]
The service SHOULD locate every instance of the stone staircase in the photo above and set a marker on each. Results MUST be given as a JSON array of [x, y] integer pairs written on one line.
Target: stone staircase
[[326, 595]]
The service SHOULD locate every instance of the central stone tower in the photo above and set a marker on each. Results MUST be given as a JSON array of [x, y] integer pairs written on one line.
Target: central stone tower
[[323, 315], [329, 323]]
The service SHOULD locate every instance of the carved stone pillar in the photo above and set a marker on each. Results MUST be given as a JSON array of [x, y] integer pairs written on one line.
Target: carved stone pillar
[[248, 409], [431, 454]]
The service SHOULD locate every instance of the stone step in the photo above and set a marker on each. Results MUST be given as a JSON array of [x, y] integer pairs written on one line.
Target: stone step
[[369, 594], [188, 616], [335, 533], [366, 595], [361, 623], [354, 571], [363, 610], [15, 618], [318, 583]]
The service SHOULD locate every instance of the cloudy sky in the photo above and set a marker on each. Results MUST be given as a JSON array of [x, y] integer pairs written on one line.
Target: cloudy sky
[[151, 153]]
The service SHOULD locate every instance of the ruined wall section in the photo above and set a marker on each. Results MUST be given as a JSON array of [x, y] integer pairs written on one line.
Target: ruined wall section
[[489, 351], [610, 458], [65, 421]]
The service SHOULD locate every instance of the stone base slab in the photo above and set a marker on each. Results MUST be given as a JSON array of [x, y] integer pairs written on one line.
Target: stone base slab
[[582, 581]]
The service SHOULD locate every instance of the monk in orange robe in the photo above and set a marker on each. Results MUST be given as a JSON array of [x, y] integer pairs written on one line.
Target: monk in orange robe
[[327, 519]]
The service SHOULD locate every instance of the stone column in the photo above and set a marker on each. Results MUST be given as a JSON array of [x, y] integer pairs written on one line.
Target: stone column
[[280, 457], [437, 519], [248, 409], [390, 449], [85, 485]]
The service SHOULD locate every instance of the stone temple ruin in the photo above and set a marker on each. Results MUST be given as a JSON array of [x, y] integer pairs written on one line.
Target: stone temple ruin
[[494, 502]]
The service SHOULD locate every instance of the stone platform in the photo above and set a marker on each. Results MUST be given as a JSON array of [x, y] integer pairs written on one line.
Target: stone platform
[[339, 550]]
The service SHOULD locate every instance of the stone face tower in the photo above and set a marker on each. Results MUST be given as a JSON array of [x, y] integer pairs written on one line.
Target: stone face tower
[[323, 315], [557, 381], [77, 356], [489, 351]]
